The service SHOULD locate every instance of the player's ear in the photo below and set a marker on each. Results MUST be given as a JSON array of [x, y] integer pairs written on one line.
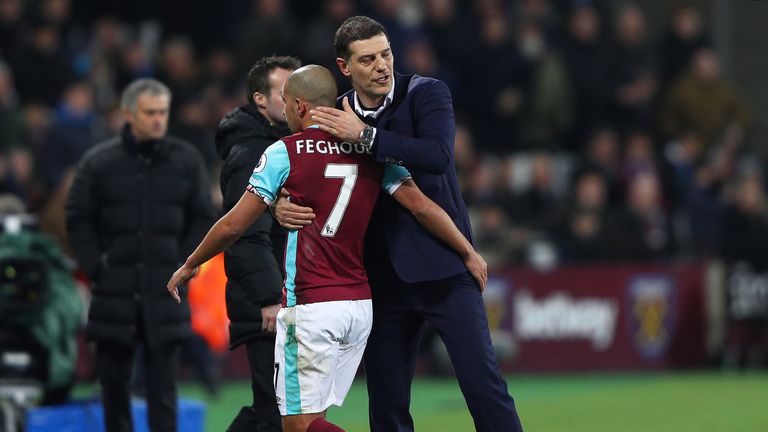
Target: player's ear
[[343, 66], [301, 107]]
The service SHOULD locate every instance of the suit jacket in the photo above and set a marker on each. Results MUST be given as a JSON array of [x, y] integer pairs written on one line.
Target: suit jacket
[[416, 130]]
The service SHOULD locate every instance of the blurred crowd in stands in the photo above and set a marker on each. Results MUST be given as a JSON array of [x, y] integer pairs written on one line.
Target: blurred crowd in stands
[[581, 136]]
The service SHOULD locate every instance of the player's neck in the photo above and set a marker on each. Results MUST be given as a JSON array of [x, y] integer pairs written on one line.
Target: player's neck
[[308, 124]]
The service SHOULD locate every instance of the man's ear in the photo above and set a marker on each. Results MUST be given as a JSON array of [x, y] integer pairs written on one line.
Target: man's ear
[[343, 66], [260, 99]]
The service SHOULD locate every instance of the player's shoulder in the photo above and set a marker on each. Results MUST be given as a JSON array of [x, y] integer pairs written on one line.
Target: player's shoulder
[[278, 146]]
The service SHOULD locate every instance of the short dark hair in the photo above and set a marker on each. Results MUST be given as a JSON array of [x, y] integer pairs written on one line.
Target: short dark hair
[[354, 29], [258, 76]]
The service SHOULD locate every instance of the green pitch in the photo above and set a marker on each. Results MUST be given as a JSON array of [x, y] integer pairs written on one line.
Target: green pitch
[[674, 402], [668, 402]]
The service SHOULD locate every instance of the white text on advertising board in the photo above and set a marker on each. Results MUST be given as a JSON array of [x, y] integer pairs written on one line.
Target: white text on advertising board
[[559, 317]]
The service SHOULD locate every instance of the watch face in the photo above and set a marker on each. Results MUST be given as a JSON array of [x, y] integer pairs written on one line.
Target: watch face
[[367, 135]]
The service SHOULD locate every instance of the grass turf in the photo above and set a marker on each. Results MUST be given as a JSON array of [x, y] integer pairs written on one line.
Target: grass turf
[[674, 402]]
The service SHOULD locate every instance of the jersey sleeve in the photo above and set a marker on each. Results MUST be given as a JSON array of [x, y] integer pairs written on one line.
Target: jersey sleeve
[[270, 173], [394, 176]]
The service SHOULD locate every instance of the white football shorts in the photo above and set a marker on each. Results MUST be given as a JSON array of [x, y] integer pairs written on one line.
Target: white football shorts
[[317, 351]]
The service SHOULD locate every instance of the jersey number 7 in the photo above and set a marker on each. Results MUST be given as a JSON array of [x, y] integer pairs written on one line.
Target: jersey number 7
[[348, 172]]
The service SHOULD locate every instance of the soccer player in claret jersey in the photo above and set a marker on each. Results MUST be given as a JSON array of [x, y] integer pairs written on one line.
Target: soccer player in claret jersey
[[326, 315]]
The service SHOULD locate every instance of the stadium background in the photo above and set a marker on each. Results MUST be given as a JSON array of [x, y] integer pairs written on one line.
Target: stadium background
[[612, 155]]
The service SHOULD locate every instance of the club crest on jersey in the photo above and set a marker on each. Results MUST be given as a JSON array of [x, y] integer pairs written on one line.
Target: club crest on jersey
[[261, 164]]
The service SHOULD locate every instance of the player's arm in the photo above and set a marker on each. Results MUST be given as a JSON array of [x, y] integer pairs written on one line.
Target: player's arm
[[267, 179], [432, 217], [223, 233]]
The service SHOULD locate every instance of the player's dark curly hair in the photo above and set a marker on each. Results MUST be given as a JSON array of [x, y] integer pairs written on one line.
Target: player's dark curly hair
[[258, 76], [355, 29]]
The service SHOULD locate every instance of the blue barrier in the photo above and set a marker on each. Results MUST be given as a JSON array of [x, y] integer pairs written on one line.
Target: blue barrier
[[88, 416]]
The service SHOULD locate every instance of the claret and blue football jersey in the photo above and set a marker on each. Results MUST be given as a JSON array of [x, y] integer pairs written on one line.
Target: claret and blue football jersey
[[341, 183]]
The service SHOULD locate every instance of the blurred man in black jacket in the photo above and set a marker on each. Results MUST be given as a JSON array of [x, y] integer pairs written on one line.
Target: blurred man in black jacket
[[254, 279], [138, 205]]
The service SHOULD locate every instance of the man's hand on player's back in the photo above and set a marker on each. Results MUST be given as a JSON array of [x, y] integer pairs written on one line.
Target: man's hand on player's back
[[291, 216]]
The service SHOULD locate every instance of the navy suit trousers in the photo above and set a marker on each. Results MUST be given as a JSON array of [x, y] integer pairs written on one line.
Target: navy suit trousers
[[454, 307]]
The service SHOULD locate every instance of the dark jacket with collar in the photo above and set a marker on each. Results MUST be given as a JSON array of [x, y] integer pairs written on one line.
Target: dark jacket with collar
[[251, 263], [416, 130], [134, 213]]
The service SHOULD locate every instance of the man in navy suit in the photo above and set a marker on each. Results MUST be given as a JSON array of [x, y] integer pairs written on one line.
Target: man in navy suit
[[414, 278]]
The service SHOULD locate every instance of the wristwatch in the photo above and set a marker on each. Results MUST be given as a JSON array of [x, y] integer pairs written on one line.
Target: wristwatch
[[366, 137]]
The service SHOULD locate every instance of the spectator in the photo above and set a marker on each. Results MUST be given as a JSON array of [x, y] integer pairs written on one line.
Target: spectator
[[699, 182], [179, 68], [704, 103], [448, 28], [138, 205], [685, 36], [11, 12], [270, 30], [603, 154], [11, 118], [316, 49], [192, 125], [37, 119], [393, 15], [744, 247], [419, 58], [221, 71], [537, 207], [501, 83], [496, 238], [467, 164], [41, 68], [585, 232], [641, 157], [644, 222], [632, 71], [57, 13], [548, 111], [73, 132], [587, 59], [744, 227]]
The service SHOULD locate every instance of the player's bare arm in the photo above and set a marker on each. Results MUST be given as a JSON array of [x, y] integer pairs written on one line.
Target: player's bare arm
[[432, 217], [226, 230]]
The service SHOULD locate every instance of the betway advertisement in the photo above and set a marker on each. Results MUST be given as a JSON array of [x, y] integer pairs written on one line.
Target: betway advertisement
[[598, 318]]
